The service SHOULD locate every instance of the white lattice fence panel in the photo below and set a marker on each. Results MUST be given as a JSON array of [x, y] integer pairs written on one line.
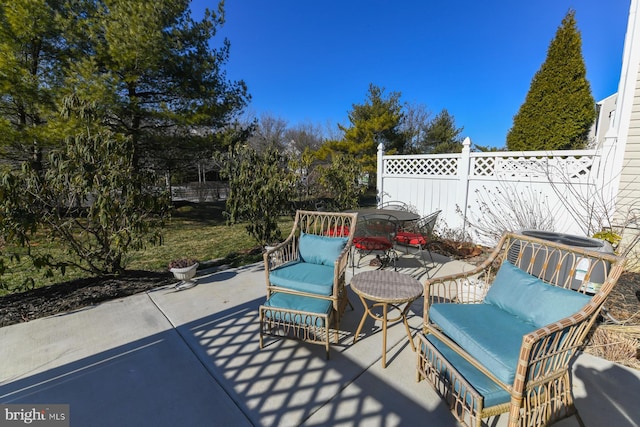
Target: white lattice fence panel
[[483, 166], [440, 166], [572, 167], [564, 168], [430, 182], [521, 167]]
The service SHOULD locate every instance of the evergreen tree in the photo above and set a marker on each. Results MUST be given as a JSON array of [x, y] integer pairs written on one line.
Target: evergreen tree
[[259, 189], [559, 108], [442, 135], [31, 50], [88, 198], [149, 69], [92, 93], [376, 121]]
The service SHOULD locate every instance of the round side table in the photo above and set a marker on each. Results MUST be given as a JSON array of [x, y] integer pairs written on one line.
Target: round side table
[[383, 289]]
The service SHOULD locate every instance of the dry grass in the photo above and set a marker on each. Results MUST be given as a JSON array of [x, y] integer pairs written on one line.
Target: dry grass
[[616, 343]]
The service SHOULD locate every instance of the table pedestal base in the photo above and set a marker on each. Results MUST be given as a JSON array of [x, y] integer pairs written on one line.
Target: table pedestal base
[[385, 321]]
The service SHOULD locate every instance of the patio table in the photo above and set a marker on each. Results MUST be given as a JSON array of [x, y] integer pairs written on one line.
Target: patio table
[[386, 288], [401, 216]]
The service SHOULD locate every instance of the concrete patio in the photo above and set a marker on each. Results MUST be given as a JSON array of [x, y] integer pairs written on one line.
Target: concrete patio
[[191, 358]]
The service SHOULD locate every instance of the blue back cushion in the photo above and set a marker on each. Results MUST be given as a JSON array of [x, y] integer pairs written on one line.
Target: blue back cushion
[[530, 299], [320, 250]]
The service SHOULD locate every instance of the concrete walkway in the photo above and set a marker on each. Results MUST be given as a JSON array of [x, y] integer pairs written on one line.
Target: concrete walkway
[[191, 358]]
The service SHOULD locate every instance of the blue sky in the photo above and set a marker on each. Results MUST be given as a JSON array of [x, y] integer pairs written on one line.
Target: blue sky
[[309, 61]]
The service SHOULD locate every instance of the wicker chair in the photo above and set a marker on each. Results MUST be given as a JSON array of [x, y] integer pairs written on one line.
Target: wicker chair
[[502, 337], [305, 277]]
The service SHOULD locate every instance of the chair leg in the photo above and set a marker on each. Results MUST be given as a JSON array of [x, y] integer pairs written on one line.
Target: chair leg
[[424, 262], [336, 329], [394, 259], [261, 329], [352, 257]]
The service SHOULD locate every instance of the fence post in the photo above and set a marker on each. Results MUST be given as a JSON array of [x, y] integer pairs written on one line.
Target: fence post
[[379, 180], [463, 180]]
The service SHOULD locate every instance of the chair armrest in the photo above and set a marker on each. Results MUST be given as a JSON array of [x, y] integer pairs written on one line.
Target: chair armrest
[[445, 289], [343, 258], [547, 352], [340, 267], [282, 253]]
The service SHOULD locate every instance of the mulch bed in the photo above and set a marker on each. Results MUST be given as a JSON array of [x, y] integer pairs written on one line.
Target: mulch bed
[[76, 294]]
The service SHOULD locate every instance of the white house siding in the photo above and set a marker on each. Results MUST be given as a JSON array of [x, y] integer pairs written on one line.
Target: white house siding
[[627, 215], [626, 130], [628, 204]]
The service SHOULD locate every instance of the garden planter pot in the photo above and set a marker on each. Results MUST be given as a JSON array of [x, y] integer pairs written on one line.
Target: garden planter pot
[[185, 275]]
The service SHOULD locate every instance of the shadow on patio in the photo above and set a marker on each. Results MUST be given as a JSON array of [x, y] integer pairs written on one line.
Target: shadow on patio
[[192, 358], [292, 383]]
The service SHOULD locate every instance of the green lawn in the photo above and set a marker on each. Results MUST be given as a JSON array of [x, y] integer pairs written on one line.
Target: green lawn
[[194, 231]]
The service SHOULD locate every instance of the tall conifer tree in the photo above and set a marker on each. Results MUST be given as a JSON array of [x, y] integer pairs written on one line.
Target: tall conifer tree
[[94, 96], [559, 108], [442, 135], [377, 120]]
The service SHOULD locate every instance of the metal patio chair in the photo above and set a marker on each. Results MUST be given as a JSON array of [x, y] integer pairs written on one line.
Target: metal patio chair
[[419, 235], [375, 233]]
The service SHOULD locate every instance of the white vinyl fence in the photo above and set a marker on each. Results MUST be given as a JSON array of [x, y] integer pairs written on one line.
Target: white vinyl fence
[[486, 193]]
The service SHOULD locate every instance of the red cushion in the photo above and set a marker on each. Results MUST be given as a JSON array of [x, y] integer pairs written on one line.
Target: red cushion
[[374, 243], [413, 239], [338, 231]]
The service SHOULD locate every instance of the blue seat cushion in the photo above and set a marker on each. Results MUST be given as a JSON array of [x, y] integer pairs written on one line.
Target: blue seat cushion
[[322, 250], [531, 299], [304, 277], [492, 393], [491, 335], [300, 303]]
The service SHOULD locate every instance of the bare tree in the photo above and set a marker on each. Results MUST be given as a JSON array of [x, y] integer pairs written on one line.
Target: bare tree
[[269, 132], [415, 126], [302, 136]]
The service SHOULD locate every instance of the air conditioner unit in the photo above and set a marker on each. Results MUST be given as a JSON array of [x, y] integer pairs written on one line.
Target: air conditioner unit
[[567, 262]]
